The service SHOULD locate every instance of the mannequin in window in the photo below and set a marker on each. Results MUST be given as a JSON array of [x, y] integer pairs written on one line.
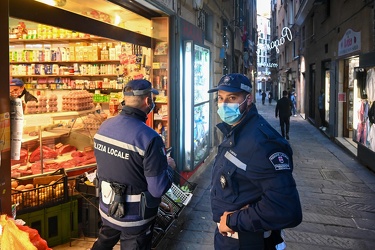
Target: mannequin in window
[[363, 120]]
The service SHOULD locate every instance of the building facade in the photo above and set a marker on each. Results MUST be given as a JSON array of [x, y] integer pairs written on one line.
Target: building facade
[[330, 54], [264, 81]]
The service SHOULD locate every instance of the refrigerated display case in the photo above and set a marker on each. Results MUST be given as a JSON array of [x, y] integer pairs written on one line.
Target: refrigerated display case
[[195, 103]]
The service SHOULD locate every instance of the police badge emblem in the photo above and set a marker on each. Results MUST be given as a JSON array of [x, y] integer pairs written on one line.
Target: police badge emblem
[[223, 181]]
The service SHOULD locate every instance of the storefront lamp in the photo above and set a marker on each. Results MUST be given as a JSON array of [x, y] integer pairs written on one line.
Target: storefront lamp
[[198, 4]]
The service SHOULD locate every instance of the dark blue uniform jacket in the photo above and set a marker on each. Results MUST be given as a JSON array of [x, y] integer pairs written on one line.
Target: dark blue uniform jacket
[[129, 152], [254, 167]]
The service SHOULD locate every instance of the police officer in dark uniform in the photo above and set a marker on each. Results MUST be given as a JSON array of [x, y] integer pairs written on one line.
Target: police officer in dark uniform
[[133, 172], [253, 193]]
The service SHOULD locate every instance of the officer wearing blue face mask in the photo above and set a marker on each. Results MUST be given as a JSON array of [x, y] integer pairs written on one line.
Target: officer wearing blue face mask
[[253, 192]]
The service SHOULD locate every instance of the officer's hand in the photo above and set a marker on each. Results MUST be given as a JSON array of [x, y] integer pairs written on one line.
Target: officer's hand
[[223, 228], [171, 162]]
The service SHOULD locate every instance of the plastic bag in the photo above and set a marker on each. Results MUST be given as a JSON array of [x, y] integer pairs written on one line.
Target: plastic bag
[[14, 236]]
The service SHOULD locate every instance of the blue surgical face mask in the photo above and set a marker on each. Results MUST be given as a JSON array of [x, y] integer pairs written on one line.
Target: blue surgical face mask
[[230, 112]]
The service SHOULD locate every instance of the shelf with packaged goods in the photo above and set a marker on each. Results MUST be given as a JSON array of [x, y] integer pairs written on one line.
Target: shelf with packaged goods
[[65, 62], [68, 76], [105, 90], [79, 57], [92, 39]]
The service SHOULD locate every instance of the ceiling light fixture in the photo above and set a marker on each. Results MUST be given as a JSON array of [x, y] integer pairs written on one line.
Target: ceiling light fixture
[[58, 3], [117, 20]]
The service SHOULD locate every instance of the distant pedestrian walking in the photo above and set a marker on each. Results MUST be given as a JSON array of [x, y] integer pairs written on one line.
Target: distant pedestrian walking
[[283, 111], [293, 98], [270, 97], [264, 97]]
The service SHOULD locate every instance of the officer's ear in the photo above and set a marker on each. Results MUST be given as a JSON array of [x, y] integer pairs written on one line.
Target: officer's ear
[[249, 99]]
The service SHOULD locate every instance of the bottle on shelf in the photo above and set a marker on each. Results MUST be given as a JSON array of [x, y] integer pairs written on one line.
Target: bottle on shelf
[[165, 82], [98, 108]]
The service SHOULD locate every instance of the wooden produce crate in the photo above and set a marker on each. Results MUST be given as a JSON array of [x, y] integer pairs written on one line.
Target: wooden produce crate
[[46, 191]]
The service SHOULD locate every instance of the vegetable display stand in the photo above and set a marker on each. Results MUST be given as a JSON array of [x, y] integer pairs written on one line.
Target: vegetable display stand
[[43, 192]]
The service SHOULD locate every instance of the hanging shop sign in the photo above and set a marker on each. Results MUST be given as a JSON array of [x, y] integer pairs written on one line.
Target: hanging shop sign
[[191, 32], [268, 65], [286, 33], [350, 42]]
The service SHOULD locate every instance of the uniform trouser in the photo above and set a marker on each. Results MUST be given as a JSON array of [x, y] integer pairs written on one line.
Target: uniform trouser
[[284, 124], [249, 241], [108, 238]]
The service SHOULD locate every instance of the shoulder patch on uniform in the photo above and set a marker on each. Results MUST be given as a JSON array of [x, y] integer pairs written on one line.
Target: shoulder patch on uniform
[[280, 161]]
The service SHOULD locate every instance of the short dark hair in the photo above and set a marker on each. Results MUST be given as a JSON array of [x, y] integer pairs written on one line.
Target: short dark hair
[[285, 93]]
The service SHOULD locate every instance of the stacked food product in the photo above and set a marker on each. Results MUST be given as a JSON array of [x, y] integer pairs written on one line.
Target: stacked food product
[[77, 101], [93, 122], [45, 104], [42, 104], [52, 103], [31, 107]]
